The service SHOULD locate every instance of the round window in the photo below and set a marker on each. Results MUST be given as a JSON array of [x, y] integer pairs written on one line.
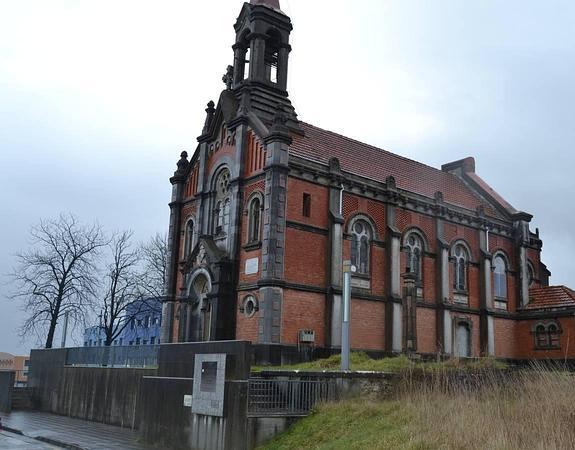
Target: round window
[[250, 306]]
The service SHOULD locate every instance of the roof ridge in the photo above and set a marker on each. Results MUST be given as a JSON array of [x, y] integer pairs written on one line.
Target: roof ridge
[[555, 286], [374, 147]]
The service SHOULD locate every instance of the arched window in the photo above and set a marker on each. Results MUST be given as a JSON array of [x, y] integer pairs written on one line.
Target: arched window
[[360, 246], [254, 218], [188, 238], [460, 260], [547, 336], [500, 277], [247, 64], [273, 42], [540, 336], [414, 250], [222, 204], [530, 274], [553, 335]]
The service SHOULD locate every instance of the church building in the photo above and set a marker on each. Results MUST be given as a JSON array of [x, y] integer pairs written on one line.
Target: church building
[[266, 210]]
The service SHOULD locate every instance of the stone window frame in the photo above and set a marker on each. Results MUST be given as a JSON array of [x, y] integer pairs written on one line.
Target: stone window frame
[[531, 276], [245, 62], [221, 202], [424, 249], [250, 241], [306, 205], [189, 240], [247, 311], [371, 236], [457, 320], [545, 340], [500, 254], [460, 294]]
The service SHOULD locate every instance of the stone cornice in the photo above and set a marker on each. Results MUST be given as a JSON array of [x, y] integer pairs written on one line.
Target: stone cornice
[[319, 174]]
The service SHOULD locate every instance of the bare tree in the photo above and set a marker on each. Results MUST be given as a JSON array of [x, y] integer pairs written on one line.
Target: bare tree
[[58, 275], [121, 287], [155, 266]]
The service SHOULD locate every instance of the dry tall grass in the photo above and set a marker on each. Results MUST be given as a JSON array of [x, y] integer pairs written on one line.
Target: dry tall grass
[[490, 409]]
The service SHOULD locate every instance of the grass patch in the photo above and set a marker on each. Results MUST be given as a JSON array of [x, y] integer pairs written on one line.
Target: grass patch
[[533, 409], [360, 361], [350, 425]]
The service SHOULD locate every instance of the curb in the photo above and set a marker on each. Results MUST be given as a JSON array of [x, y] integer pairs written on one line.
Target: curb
[[59, 443], [10, 429], [43, 439]]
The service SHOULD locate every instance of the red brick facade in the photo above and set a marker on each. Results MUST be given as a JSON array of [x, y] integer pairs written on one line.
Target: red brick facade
[[277, 205]]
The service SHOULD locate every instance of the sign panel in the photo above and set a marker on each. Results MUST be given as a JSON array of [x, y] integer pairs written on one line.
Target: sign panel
[[188, 401], [209, 384]]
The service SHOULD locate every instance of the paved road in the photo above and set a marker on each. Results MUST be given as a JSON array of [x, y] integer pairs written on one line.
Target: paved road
[[80, 433], [12, 441]]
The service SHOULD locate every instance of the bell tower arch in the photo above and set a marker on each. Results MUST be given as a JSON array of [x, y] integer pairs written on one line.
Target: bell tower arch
[[261, 56]]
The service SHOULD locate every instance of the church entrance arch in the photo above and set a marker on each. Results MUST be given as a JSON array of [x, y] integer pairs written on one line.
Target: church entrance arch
[[201, 310]]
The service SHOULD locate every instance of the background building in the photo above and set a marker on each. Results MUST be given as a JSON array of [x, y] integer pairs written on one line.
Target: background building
[[144, 324], [18, 364]]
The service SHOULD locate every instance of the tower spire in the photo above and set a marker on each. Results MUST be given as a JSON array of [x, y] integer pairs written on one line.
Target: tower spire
[[274, 4], [260, 69]]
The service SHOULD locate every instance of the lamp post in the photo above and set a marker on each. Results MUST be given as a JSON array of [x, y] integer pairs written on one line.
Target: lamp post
[[348, 269]]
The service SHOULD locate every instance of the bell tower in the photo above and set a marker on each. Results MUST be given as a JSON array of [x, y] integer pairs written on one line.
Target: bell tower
[[261, 54]]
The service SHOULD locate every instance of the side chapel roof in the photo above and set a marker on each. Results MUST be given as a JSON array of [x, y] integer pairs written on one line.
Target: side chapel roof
[[550, 297]]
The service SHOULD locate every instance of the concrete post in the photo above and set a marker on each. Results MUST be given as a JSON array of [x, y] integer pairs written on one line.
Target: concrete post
[[336, 253], [397, 345], [393, 311], [443, 317], [346, 316]]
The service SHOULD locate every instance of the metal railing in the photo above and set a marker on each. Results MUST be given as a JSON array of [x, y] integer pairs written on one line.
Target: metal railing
[[126, 356], [287, 397]]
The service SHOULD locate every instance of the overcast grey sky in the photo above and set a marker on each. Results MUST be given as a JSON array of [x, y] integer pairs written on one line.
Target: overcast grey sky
[[98, 98]]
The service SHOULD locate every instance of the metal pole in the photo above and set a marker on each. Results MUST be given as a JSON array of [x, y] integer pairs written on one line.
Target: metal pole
[[347, 270], [65, 329]]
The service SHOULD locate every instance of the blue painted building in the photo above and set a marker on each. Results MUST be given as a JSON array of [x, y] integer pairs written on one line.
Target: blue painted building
[[145, 320]]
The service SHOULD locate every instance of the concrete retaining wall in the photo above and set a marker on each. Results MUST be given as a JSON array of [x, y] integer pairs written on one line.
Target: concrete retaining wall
[[167, 423], [347, 385], [91, 393], [6, 387]]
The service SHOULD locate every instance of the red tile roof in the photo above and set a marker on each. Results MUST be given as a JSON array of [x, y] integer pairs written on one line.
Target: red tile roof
[[550, 297], [490, 191], [374, 163]]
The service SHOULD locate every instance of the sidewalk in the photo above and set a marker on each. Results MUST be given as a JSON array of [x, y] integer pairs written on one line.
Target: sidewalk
[[13, 441], [74, 434]]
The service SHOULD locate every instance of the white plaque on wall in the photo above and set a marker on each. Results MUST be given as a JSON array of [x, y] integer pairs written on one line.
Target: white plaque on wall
[[252, 266], [188, 400]]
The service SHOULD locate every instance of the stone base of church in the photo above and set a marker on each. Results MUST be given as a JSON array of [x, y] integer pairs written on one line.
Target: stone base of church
[[282, 354]]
